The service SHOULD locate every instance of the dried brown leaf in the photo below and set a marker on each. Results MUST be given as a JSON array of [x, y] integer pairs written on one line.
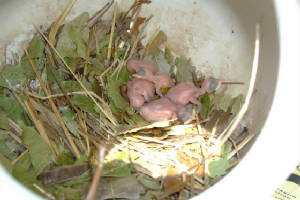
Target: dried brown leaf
[[153, 45], [59, 21], [61, 174]]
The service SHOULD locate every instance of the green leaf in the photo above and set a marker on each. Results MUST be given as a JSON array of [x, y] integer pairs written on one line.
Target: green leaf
[[5, 163], [68, 193], [217, 167], [39, 151], [84, 103], [148, 183], [184, 69], [50, 77], [36, 47], [206, 101], [82, 159], [237, 104], [85, 177], [73, 37], [104, 42], [3, 121], [66, 112], [72, 125], [122, 76], [8, 146], [168, 56], [27, 67], [12, 75], [72, 86], [76, 37], [3, 83], [117, 168], [12, 108], [65, 158], [226, 149], [117, 101], [224, 103], [24, 173], [159, 61]]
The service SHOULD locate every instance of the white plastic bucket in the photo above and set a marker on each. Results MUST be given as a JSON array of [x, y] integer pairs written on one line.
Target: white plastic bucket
[[218, 35]]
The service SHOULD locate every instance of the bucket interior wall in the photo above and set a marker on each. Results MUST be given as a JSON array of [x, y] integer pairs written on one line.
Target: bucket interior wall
[[217, 35]]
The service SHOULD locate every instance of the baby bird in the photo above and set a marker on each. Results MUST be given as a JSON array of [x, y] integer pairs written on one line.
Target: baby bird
[[140, 91]]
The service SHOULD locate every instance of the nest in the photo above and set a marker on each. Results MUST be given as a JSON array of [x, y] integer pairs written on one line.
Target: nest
[[73, 102]]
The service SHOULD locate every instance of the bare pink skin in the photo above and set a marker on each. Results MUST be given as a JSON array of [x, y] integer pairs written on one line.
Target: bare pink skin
[[160, 80], [135, 66], [140, 91], [183, 93], [211, 84], [159, 110]]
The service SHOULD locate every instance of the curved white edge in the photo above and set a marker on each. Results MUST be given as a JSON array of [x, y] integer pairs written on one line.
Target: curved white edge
[[12, 189], [268, 163], [276, 152]]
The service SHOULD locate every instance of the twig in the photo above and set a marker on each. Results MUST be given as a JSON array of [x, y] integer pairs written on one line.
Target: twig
[[109, 116], [41, 190], [93, 188], [234, 123], [39, 125], [82, 124], [54, 62], [112, 30], [234, 163], [54, 108], [59, 21], [232, 82], [15, 127], [87, 54], [93, 20], [241, 145], [61, 95], [234, 146], [96, 40], [19, 157]]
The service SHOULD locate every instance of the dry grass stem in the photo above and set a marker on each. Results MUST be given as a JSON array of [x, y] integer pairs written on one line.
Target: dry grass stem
[[108, 115], [54, 108], [112, 30]]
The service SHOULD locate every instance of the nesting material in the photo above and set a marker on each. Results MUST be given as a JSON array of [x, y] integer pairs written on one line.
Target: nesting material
[[83, 130]]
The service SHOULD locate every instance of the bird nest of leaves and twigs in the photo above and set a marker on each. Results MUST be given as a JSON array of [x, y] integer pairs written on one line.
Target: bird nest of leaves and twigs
[[67, 132]]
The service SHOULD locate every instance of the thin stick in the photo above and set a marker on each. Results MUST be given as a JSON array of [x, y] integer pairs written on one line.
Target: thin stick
[[93, 20], [59, 21], [112, 30], [54, 62], [232, 82], [20, 156], [87, 54], [234, 123], [93, 188], [82, 124], [41, 190], [234, 163], [54, 108], [240, 146], [96, 39], [109, 116], [39, 125]]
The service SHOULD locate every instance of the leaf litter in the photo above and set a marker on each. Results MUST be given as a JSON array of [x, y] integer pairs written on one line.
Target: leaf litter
[[51, 135]]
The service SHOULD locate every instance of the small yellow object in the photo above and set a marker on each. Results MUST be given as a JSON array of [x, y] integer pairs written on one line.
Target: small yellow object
[[164, 90], [290, 189]]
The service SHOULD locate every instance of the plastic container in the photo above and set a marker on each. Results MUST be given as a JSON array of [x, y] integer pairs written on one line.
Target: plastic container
[[219, 38]]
